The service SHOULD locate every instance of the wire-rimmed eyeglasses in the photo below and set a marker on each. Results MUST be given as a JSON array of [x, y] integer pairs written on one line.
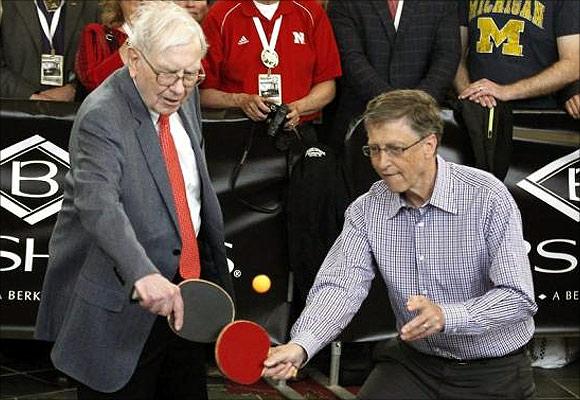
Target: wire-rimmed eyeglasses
[[374, 150], [190, 79]]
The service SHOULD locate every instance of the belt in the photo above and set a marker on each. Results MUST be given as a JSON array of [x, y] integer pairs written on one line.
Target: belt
[[453, 361]]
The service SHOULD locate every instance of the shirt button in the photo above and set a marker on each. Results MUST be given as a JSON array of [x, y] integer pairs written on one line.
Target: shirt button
[[421, 224], [424, 292], [421, 258]]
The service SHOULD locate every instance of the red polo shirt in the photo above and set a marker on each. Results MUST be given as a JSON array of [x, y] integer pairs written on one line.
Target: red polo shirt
[[306, 47]]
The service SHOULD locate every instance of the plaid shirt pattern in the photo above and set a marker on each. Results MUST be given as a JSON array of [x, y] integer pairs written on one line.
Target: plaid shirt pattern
[[464, 250]]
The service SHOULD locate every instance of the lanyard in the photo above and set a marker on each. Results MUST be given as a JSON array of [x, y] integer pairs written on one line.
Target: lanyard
[[273, 39], [49, 33]]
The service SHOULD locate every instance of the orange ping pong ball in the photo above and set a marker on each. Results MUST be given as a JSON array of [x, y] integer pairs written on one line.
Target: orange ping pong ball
[[261, 283]]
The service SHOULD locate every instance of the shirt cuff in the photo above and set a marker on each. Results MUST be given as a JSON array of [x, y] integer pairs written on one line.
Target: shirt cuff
[[456, 318], [309, 343]]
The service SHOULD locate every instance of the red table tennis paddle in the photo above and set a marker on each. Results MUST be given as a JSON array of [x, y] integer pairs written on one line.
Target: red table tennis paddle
[[207, 308], [240, 351]]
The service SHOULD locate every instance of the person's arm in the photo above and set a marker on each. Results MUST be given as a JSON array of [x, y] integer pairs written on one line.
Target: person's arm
[[357, 70], [511, 299], [97, 163], [320, 95], [341, 285], [254, 106], [461, 81], [13, 85], [551, 79], [60, 93], [445, 55]]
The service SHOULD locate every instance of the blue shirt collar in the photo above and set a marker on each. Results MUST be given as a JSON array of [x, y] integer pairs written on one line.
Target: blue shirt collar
[[442, 196]]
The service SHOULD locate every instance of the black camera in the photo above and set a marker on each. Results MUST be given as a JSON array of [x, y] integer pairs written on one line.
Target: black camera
[[276, 119]]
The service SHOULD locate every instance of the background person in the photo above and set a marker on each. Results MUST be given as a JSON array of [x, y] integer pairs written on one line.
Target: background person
[[270, 51], [196, 8], [521, 54], [103, 47], [139, 214], [38, 43], [386, 45], [447, 241]]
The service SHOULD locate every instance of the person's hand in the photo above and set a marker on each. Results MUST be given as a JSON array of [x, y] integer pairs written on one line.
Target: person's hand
[[62, 93], [486, 101], [485, 92], [159, 296], [572, 106], [252, 105], [293, 116], [429, 319], [40, 96], [283, 361]]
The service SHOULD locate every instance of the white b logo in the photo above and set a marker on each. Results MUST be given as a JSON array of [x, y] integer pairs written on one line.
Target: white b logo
[[35, 167]]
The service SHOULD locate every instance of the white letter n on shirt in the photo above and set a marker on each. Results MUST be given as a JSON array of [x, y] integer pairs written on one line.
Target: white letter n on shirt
[[298, 37]]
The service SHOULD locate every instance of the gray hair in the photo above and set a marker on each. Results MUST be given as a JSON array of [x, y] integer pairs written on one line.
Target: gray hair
[[419, 108], [159, 25]]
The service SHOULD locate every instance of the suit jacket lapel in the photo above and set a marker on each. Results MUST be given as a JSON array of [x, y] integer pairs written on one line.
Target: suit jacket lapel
[[382, 10], [149, 142], [27, 10], [72, 19]]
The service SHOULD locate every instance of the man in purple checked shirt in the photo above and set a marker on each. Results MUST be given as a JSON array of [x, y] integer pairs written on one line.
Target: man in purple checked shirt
[[447, 240]]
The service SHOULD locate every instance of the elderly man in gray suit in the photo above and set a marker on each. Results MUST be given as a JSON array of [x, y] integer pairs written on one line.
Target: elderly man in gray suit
[[139, 214]]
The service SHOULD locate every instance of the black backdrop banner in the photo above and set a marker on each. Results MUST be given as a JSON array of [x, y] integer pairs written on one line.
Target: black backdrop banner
[[544, 179]]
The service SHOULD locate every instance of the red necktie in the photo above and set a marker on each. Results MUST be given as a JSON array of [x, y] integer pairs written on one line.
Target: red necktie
[[393, 7], [189, 266]]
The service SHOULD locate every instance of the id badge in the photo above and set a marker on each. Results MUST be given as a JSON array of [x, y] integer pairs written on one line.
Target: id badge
[[51, 67], [270, 87]]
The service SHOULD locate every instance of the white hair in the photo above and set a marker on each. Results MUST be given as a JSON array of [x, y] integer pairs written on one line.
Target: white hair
[[159, 25]]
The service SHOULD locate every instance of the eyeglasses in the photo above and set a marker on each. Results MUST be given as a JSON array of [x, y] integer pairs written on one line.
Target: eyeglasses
[[190, 79], [374, 150]]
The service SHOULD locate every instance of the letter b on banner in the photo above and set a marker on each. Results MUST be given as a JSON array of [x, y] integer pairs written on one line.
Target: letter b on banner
[[17, 178]]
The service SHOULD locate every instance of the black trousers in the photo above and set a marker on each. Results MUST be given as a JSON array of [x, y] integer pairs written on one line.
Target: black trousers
[[169, 368], [404, 373]]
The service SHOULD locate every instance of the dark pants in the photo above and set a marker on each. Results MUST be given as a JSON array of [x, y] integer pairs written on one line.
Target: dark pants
[[404, 373], [169, 368]]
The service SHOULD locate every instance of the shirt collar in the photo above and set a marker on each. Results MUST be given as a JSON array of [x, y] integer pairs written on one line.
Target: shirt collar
[[442, 196], [249, 9]]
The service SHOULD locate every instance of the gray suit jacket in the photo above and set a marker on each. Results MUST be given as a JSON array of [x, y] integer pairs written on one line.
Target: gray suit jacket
[[422, 54], [21, 43], [118, 224]]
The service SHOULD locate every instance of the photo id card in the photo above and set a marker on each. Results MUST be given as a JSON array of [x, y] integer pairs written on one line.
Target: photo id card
[[51, 70], [270, 87]]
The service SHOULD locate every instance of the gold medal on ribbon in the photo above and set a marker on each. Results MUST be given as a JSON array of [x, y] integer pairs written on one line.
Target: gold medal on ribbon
[[51, 5]]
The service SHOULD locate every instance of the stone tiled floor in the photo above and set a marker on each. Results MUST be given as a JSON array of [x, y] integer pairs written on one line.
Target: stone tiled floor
[[26, 373]]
